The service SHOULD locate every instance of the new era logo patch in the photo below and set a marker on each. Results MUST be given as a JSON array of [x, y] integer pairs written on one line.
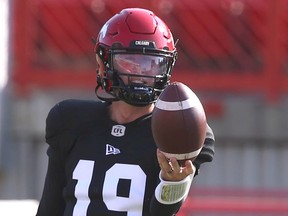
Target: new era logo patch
[[111, 150]]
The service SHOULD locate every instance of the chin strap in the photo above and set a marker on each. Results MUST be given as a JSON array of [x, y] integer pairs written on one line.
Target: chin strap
[[106, 99]]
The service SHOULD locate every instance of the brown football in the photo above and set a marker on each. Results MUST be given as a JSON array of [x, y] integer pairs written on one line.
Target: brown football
[[179, 123]]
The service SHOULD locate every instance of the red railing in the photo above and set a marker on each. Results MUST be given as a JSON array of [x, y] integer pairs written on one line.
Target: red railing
[[235, 202]]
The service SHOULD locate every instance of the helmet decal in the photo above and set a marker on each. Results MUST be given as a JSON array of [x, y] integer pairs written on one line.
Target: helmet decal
[[142, 43]]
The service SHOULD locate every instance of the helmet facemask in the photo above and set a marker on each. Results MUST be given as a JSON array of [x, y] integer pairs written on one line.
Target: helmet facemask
[[137, 76]]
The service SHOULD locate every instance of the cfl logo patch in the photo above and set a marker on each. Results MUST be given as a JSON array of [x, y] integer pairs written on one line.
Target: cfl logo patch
[[118, 130]]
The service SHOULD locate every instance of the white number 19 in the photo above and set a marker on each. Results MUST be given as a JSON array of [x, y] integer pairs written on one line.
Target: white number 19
[[133, 204]]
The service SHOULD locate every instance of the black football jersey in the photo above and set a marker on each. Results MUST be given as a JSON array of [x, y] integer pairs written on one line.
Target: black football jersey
[[99, 167]]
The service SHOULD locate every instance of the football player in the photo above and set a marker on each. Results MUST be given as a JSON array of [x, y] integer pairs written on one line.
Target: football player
[[102, 156]]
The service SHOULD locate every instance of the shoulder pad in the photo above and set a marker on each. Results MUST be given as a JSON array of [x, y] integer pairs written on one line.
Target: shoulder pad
[[72, 116]]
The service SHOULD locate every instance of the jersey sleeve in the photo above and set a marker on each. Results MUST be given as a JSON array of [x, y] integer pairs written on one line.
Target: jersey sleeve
[[51, 202], [207, 152], [157, 208]]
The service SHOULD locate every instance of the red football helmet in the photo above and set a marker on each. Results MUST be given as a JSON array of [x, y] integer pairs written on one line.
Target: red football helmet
[[138, 53]]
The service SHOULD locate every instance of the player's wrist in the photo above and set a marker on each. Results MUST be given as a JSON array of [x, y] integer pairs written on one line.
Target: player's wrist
[[171, 192]]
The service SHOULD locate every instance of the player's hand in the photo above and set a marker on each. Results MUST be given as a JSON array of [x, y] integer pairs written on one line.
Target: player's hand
[[170, 169]]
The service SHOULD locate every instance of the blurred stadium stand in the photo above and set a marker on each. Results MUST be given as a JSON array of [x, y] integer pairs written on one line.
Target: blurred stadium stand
[[233, 53]]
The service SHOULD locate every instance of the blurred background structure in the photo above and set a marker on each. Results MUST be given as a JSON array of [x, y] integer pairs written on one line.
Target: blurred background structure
[[232, 53]]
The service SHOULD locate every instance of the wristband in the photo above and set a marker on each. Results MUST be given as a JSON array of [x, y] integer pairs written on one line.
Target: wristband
[[171, 192]]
